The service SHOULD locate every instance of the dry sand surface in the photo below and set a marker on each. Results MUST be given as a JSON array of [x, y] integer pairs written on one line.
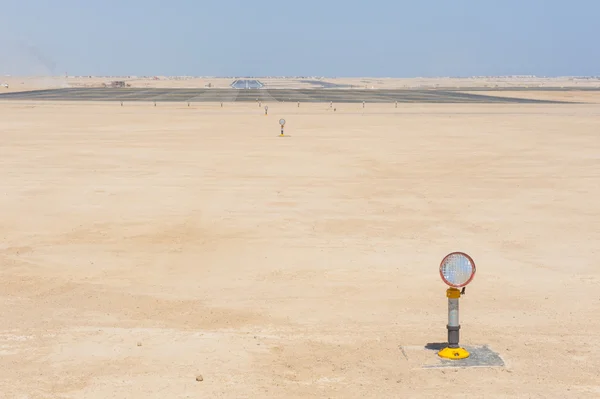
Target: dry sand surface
[[142, 246], [18, 84]]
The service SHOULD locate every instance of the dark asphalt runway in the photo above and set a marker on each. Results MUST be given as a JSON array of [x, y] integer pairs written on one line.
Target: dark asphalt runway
[[317, 95], [532, 88], [325, 85]]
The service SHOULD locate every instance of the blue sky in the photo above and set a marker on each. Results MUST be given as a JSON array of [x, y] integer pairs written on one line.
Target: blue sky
[[378, 38]]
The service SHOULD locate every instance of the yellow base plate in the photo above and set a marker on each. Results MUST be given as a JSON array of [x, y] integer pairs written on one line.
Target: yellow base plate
[[453, 353]]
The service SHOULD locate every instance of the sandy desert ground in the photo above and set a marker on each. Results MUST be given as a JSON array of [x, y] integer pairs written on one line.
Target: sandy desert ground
[[143, 246]]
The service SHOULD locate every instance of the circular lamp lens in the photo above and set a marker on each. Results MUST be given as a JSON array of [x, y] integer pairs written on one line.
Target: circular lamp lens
[[282, 122], [457, 269]]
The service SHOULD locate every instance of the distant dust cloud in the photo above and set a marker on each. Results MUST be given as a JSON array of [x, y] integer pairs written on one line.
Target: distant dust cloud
[[20, 58]]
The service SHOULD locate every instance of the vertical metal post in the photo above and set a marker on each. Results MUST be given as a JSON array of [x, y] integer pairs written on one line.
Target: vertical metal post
[[453, 323], [453, 351]]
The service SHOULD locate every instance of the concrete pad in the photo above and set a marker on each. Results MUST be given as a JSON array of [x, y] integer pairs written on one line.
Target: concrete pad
[[426, 357]]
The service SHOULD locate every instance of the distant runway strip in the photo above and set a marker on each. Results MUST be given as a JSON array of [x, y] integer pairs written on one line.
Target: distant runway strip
[[246, 84], [318, 95]]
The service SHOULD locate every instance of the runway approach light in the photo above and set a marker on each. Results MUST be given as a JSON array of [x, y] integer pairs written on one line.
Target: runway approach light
[[457, 270], [282, 123]]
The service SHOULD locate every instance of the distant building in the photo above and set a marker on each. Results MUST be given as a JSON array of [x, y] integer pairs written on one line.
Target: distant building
[[117, 83]]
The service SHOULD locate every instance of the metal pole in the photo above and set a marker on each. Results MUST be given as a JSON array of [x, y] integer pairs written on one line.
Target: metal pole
[[453, 351], [453, 324]]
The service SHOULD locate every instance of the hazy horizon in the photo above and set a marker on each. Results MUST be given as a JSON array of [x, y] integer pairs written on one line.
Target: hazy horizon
[[305, 76], [385, 39]]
